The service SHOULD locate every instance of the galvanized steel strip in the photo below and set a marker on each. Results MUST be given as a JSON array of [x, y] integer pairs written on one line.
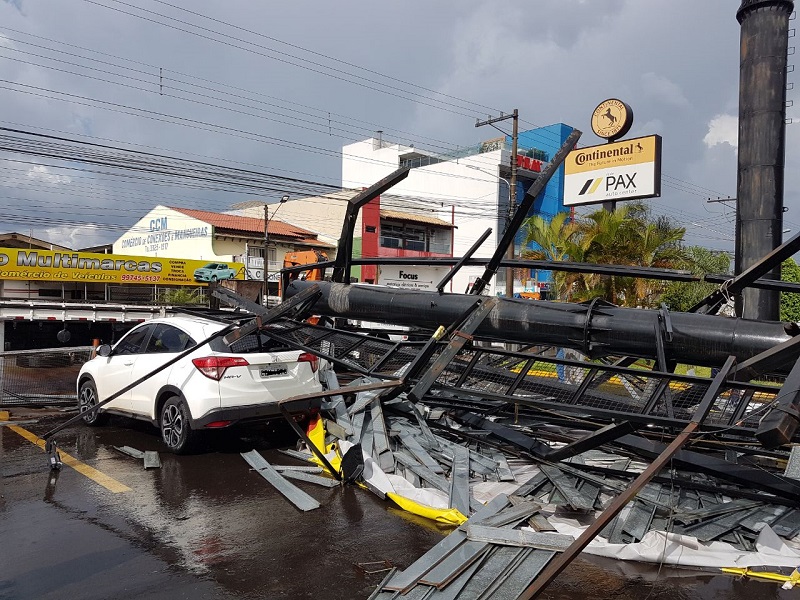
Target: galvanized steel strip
[[404, 580], [459, 480], [413, 446], [512, 515], [434, 479], [492, 568], [518, 537], [311, 478], [572, 495], [522, 576], [292, 493]]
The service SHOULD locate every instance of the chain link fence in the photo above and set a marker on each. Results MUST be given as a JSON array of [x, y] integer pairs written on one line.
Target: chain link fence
[[41, 377]]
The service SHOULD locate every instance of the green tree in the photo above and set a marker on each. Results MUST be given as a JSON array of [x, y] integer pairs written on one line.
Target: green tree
[[680, 296], [553, 240], [628, 235], [790, 302], [181, 297], [658, 245]]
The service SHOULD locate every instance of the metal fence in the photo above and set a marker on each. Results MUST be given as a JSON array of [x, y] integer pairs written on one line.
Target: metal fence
[[41, 377]]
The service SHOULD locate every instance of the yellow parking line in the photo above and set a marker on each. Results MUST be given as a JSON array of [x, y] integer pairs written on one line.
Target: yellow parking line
[[107, 482]]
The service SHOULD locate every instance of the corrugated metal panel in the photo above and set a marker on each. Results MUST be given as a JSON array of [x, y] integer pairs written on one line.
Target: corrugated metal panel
[[292, 493]]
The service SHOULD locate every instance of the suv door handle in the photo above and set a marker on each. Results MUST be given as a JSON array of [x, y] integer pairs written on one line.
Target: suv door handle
[[127, 364]]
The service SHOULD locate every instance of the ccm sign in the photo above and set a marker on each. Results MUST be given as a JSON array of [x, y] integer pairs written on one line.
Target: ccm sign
[[618, 171]]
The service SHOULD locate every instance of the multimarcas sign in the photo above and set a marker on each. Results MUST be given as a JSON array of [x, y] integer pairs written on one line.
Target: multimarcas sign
[[46, 265]]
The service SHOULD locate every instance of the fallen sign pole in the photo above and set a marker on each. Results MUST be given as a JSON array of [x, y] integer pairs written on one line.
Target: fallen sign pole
[[596, 330], [562, 561]]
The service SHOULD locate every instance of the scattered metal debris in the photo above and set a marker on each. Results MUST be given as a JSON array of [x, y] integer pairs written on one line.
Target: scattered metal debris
[[310, 478], [21, 422], [152, 460], [130, 451], [292, 493], [370, 568]]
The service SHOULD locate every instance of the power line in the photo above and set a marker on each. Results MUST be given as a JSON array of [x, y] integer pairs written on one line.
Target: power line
[[163, 74], [680, 185], [371, 84], [157, 86]]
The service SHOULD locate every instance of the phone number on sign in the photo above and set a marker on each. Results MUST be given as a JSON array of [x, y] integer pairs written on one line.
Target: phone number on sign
[[141, 277]]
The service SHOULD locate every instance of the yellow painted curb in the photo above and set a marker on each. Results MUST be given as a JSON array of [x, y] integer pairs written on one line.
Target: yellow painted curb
[[99, 477]]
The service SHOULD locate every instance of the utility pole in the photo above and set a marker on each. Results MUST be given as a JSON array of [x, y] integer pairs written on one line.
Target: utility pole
[[512, 192], [266, 246], [266, 255]]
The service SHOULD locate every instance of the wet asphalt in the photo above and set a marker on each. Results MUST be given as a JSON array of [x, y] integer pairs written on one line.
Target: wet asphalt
[[207, 526]]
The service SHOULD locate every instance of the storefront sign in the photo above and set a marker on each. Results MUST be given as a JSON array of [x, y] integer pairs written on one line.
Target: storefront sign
[[531, 164], [45, 265], [161, 234], [411, 277], [620, 171]]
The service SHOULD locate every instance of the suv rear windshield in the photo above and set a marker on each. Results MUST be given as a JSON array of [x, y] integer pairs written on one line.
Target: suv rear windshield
[[255, 342]]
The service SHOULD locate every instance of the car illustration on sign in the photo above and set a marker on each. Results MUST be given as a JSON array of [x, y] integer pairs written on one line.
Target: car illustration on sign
[[214, 272]]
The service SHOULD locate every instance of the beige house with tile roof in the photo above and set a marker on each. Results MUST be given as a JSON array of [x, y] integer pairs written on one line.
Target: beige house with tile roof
[[172, 232]]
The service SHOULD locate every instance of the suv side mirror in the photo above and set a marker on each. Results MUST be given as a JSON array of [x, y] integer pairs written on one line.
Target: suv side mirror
[[104, 350]]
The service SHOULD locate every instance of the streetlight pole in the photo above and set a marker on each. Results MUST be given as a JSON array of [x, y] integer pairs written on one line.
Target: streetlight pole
[[512, 200], [266, 246], [509, 215]]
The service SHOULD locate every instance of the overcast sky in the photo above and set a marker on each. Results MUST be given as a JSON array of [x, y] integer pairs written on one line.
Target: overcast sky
[[280, 87]]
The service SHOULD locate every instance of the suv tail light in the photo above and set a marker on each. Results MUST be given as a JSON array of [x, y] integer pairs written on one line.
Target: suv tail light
[[312, 359], [214, 367]]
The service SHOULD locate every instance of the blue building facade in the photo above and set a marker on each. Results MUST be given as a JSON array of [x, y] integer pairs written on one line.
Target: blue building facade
[[541, 144]]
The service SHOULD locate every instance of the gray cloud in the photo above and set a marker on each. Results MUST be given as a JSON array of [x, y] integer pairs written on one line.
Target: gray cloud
[[675, 63]]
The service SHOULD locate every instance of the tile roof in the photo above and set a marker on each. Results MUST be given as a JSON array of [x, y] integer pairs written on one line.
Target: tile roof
[[248, 225], [23, 240], [404, 216]]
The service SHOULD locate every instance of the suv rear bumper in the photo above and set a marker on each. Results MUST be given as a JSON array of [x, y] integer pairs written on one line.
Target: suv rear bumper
[[250, 412]]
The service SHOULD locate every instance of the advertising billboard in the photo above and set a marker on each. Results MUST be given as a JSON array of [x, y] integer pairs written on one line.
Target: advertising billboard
[[618, 171], [47, 265]]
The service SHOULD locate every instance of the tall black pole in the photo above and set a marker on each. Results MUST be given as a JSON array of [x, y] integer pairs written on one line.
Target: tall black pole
[[762, 136]]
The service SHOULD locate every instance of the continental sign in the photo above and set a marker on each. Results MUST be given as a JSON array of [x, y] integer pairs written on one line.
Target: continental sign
[[87, 267], [619, 171]]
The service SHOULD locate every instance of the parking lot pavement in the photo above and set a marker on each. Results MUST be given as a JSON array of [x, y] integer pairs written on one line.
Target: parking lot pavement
[[206, 526], [202, 526]]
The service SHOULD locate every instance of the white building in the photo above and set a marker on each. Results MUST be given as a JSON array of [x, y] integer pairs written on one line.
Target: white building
[[470, 191]]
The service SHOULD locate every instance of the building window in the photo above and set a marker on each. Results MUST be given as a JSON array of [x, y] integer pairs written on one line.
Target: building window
[[413, 236]]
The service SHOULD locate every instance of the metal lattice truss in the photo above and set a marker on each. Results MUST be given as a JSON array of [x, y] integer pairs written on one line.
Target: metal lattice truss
[[485, 379]]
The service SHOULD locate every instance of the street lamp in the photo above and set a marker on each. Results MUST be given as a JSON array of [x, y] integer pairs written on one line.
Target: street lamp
[[266, 246], [503, 179]]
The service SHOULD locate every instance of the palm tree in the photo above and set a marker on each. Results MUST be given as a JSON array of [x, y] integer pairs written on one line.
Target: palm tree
[[625, 236], [659, 246], [629, 236], [554, 240], [606, 237]]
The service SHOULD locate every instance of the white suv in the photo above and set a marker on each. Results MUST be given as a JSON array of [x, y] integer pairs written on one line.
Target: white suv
[[213, 387]]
